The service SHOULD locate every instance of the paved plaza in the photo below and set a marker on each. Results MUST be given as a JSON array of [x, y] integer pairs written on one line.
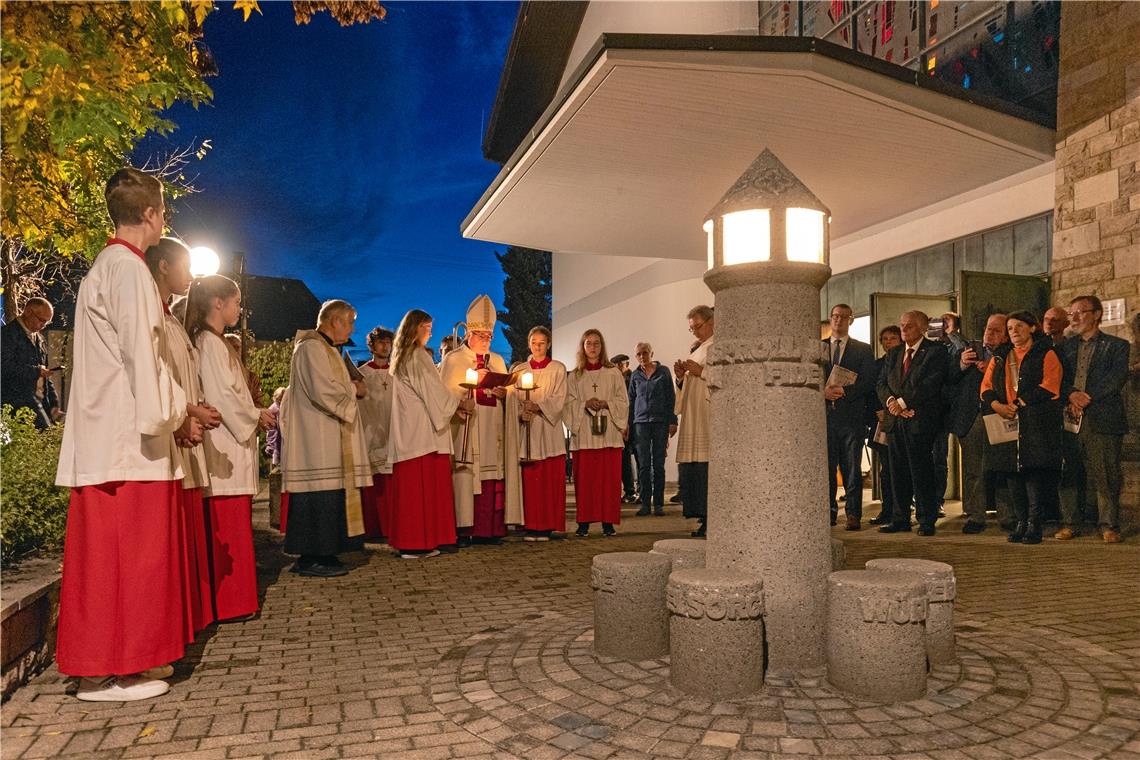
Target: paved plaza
[[487, 653]]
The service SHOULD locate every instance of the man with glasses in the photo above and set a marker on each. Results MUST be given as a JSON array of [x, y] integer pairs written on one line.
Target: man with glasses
[[694, 404], [26, 381], [846, 406], [1096, 368]]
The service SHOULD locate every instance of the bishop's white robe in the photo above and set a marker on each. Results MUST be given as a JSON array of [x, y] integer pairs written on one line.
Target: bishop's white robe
[[231, 448], [489, 441], [124, 404]]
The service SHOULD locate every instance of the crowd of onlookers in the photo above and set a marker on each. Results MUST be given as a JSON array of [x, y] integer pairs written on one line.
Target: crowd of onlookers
[[1036, 405]]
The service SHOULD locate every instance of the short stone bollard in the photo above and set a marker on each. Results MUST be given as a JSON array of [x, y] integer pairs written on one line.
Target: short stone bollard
[[942, 590], [838, 554], [630, 619], [716, 633], [876, 647], [686, 553]]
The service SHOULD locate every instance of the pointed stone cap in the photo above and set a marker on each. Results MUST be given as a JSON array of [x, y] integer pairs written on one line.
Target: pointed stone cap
[[766, 184]]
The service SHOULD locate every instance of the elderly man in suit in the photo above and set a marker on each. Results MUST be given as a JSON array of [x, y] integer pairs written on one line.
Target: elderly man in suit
[[26, 381], [846, 407], [911, 390], [1095, 370]]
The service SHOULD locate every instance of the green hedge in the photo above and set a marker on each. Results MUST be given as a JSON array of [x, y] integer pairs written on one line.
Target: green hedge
[[33, 510]]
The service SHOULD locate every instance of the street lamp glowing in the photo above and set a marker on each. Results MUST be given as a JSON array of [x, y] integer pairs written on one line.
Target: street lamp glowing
[[204, 261], [767, 215]]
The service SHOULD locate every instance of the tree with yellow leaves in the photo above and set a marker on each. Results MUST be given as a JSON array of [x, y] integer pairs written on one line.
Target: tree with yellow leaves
[[81, 84]]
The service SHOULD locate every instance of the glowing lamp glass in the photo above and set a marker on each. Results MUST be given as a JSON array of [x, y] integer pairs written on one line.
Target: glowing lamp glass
[[527, 382], [747, 237], [203, 261], [471, 377], [805, 235]]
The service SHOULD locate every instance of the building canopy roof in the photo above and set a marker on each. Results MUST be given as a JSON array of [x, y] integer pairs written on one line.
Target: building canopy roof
[[653, 129]]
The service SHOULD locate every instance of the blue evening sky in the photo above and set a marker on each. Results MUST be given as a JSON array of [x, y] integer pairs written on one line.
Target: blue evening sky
[[347, 156]]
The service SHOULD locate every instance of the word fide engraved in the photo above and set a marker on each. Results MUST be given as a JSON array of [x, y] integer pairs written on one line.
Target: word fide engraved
[[715, 605], [602, 581], [900, 610]]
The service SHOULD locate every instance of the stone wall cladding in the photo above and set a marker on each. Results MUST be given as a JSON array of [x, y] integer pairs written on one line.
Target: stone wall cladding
[[1096, 241]]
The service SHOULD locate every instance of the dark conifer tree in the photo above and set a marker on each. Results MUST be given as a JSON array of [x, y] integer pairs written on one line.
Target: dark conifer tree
[[526, 296]]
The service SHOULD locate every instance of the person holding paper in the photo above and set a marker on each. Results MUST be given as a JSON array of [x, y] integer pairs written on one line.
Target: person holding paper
[[485, 489], [850, 371], [1023, 381], [911, 390], [324, 462]]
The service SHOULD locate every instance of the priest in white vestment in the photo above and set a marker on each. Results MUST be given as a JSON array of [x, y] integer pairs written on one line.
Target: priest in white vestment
[[324, 461], [694, 404]]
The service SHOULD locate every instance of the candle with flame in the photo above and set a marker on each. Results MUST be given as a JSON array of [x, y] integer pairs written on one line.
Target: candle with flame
[[527, 381], [472, 377]]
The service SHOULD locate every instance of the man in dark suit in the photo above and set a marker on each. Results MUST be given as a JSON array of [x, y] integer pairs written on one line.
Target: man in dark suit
[[1096, 368], [846, 407], [25, 380], [964, 380], [911, 390]]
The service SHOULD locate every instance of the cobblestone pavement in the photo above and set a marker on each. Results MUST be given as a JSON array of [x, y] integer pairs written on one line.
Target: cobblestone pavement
[[487, 654]]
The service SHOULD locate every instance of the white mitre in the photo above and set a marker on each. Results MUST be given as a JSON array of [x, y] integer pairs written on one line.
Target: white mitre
[[481, 315]]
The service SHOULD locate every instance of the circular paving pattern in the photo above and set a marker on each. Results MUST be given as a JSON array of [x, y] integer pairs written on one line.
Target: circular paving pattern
[[538, 691]]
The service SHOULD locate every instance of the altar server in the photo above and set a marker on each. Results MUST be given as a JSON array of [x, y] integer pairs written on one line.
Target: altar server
[[324, 463], [596, 413], [376, 412], [419, 445], [169, 263], [544, 458], [483, 492], [213, 305], [122, 598]]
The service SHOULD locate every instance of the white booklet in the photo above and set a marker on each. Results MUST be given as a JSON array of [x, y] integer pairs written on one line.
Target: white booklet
[[841, 376], [1073, 421], [999, 429]]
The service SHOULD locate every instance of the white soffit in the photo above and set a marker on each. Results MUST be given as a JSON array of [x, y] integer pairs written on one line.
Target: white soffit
[[649, 140]]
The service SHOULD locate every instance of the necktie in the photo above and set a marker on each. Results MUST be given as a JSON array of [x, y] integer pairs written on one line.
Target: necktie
[[906, 361], [835, 352]]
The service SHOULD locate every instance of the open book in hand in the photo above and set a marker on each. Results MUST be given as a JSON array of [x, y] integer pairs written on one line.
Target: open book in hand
[[499, 379], [841, 376]]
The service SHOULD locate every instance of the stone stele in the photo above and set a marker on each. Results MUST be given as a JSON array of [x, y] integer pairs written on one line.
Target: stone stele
[[942, 589], [876, 648], [630, 618], [716, 633], [686, 553]]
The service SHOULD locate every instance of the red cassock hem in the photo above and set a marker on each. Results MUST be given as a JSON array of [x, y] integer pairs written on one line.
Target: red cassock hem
[[423, 508], [199, 607], [544, 494], [376, 507], [284, 519], [490, 510], [122, 602], [233, 571], [597, 485]]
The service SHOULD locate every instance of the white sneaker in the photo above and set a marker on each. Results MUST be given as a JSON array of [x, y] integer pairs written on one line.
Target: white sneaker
[[161, 672], [429, 555], [120, 689], [530, 539]]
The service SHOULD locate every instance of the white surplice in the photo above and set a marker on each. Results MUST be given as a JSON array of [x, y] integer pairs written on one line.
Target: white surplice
[[692, 407], [124, 404], [605, 384], [319, 400], [182, 357], [231, 448], [547, 438], [376, 413], [421, 411]]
